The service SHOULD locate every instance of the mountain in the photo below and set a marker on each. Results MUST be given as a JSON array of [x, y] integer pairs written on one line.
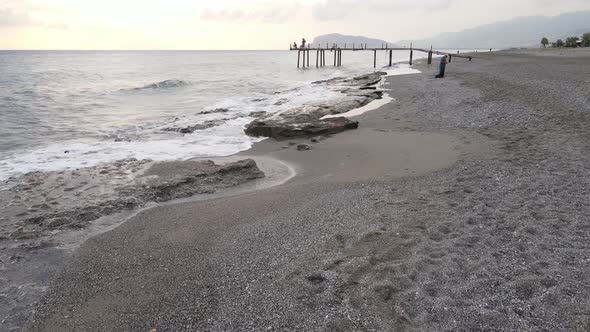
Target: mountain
[[518, 32], [339, 39]]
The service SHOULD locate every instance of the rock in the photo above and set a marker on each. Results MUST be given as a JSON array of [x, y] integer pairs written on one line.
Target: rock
[[217, 110], [314, 140], [202, 126], [281, 101], [257, 114], [67, 151], [303, 147], [281, 130]]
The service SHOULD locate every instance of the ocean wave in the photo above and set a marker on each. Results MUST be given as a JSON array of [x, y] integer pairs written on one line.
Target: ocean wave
[[163, 85]]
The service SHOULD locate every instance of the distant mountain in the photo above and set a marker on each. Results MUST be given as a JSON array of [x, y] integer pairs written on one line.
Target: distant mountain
[[518, 32], [339, 39]]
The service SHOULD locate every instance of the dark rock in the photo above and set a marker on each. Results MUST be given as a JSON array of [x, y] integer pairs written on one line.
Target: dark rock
[[67, 151], [285, 130], [202, 126], [303, 147], [257, 114], [217, 110], [281, 101], [314, 140]]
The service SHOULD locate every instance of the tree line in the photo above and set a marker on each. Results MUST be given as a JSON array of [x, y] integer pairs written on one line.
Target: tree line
[[569, 41]]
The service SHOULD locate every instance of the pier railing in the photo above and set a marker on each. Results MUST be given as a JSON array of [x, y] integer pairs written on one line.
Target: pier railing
[[303, 53]]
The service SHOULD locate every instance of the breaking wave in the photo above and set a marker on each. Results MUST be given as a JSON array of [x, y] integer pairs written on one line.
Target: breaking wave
[[167, 84]]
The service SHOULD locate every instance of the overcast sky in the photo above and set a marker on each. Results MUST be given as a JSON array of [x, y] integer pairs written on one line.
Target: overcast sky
[[244, 24]]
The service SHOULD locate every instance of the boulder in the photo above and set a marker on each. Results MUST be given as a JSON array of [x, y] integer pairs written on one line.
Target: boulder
[[282, 130]]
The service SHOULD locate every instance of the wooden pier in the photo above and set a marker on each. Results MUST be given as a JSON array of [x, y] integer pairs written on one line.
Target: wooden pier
[[303, 54]]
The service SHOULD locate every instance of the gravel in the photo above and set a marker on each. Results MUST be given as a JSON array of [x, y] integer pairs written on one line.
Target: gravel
[[498, 241]]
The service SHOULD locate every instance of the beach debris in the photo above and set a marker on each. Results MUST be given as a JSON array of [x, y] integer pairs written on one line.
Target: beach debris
[[303, 147], [314, 140]]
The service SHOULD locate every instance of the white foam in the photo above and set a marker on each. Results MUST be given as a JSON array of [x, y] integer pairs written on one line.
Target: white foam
[[224, 140], [149, 141]]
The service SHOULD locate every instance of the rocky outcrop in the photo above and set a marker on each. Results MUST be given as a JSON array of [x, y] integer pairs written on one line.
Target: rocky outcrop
[[307, 121], [83, 195], [288, 130]]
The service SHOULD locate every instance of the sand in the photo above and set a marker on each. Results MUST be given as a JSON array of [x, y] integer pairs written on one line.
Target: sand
[[461, 206]]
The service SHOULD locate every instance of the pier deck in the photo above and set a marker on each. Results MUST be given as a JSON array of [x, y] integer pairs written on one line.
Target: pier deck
[[337, 50]]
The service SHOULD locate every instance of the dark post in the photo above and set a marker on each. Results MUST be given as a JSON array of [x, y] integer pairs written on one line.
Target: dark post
[[374, 58], [390, 57], [411, 53], [429, 57], [324, 58], [303, 58], [335, 58], [317, 58], [308, 58], [450, 58], [298, 57]]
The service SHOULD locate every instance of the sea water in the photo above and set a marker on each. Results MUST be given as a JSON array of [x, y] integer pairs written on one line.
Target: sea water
[[71, 109]]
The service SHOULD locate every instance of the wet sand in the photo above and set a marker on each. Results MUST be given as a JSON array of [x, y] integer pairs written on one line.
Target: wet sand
[[460, 206]]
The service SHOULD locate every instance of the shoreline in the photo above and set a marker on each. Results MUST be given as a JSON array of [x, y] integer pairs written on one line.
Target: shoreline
[[457, 185], [31, 261]]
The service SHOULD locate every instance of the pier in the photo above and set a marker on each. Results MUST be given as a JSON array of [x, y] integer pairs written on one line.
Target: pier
[[303, 53]]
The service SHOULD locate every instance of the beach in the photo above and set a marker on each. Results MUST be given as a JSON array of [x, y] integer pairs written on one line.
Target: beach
[[461, 205]]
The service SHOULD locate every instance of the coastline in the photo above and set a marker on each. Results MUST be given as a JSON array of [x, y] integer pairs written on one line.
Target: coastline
[[50, 214], [457, 185]]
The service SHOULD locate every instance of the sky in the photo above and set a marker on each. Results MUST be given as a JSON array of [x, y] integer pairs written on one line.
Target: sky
[[245, 24]]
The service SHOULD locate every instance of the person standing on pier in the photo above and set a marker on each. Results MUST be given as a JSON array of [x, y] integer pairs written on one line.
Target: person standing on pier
[[303, 43], [294, 45], [442, 67]]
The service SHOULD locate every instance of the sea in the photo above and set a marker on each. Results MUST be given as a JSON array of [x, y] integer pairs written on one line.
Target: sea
[[72, 109]]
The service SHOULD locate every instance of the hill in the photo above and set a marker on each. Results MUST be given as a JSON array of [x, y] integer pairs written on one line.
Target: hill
[[518, 32]]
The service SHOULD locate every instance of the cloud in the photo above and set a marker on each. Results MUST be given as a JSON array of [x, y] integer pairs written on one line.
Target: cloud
[[266, 14], [12, 18], [16, 13], [339, 9]]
